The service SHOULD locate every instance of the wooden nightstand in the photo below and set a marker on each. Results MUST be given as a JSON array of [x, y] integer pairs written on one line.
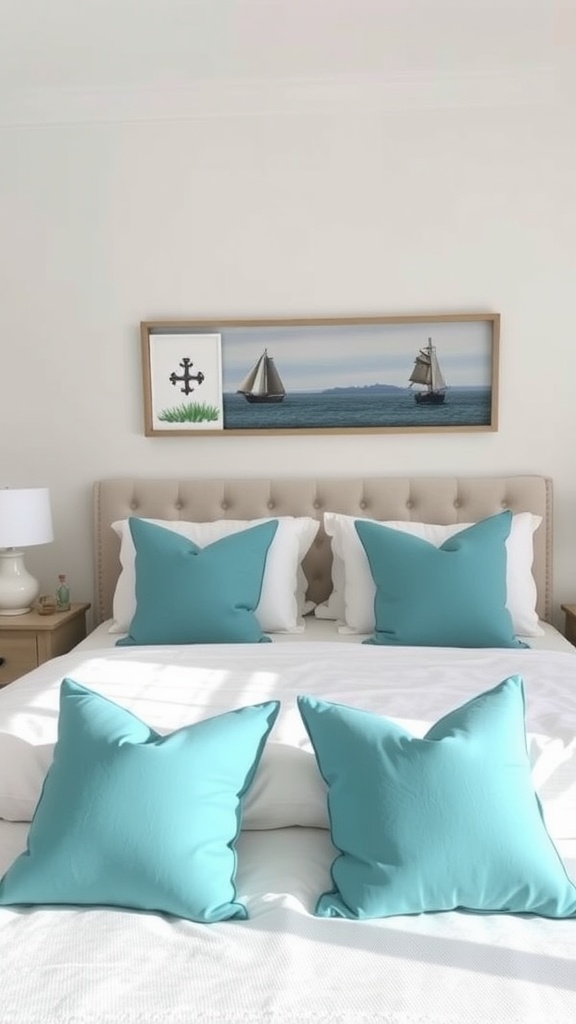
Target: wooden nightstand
[[569, 622], [27, 641]]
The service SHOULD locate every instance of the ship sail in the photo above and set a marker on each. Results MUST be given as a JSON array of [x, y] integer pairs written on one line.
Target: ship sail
[[427, 372], [263, 382]]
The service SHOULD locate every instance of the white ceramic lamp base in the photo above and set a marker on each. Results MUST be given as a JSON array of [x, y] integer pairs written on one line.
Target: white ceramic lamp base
[[18, 589]]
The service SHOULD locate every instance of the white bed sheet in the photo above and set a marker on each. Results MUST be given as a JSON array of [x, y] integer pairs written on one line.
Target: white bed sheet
[[283, 965], [326, 630]]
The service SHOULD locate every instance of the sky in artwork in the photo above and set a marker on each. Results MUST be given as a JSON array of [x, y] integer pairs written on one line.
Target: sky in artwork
[[312, 358]]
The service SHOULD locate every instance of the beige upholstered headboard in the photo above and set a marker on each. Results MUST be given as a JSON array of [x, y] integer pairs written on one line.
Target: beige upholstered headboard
[[422, 499]]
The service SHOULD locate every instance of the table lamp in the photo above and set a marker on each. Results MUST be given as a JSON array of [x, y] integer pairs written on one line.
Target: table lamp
[[25, 520]]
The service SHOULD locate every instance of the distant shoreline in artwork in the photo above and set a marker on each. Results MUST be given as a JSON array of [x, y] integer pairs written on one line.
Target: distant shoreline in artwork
[[382, 389]]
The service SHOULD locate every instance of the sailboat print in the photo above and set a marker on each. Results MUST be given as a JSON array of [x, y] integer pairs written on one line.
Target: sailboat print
[[428, 373], [263, 382]]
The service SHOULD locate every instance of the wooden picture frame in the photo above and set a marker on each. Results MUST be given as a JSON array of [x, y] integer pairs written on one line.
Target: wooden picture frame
[[381, 374]]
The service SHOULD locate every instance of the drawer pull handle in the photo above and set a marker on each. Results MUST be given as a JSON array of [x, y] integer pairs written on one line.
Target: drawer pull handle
[[2, 660]]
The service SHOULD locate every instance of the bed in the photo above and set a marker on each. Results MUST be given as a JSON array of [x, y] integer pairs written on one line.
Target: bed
[[325, 889]]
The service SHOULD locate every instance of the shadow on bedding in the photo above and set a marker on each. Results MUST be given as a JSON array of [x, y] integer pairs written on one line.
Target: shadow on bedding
[[456, 954]]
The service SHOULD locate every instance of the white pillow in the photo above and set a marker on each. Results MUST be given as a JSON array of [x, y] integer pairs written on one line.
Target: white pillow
[[282, 602], [287, 788], [352, 598]]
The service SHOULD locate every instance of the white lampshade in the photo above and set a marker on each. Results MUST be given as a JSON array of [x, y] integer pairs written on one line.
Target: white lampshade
[[25, 517], [25, 520]]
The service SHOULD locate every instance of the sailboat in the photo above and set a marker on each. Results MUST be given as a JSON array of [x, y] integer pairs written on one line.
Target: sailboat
[[428, 373], [263, 383]]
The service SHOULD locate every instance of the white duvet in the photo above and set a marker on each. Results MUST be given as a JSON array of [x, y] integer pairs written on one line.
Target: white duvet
[[283, 965]]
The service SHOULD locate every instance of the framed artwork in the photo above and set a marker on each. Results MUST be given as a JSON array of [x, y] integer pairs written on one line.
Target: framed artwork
[[183, 382], [379, 374]]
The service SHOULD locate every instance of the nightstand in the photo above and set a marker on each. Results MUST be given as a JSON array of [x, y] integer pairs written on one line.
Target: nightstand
[[27, 641], [569, 622]]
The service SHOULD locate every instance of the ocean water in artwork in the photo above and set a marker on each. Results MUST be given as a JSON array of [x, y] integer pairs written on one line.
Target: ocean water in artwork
[[341, 408]]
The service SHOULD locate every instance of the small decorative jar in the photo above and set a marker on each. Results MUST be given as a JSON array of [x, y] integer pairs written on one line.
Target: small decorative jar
[[46, 604]]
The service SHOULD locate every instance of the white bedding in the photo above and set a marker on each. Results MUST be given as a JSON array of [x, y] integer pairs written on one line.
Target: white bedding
[[327, 630], [283, 965]]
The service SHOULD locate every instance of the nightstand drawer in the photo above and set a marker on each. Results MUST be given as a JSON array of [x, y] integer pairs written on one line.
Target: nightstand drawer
[[20, 654], [29, 640]]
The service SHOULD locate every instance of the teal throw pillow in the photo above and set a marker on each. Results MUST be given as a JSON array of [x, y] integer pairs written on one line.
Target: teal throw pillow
[[191, 595], [129, 818], [451, 596], [447, 822]]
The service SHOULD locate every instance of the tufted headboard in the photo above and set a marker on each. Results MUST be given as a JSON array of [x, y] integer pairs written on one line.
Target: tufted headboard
[[422, 499]]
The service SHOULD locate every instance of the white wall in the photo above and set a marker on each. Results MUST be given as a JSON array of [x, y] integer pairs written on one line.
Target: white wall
[[347, 210]]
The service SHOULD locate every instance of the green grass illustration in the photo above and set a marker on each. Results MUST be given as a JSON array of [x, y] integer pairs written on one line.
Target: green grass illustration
[[190, 412]]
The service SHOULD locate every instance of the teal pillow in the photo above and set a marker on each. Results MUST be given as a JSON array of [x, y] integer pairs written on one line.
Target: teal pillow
[[130, 818], [451, 596], [447, 822], [191, 595]]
